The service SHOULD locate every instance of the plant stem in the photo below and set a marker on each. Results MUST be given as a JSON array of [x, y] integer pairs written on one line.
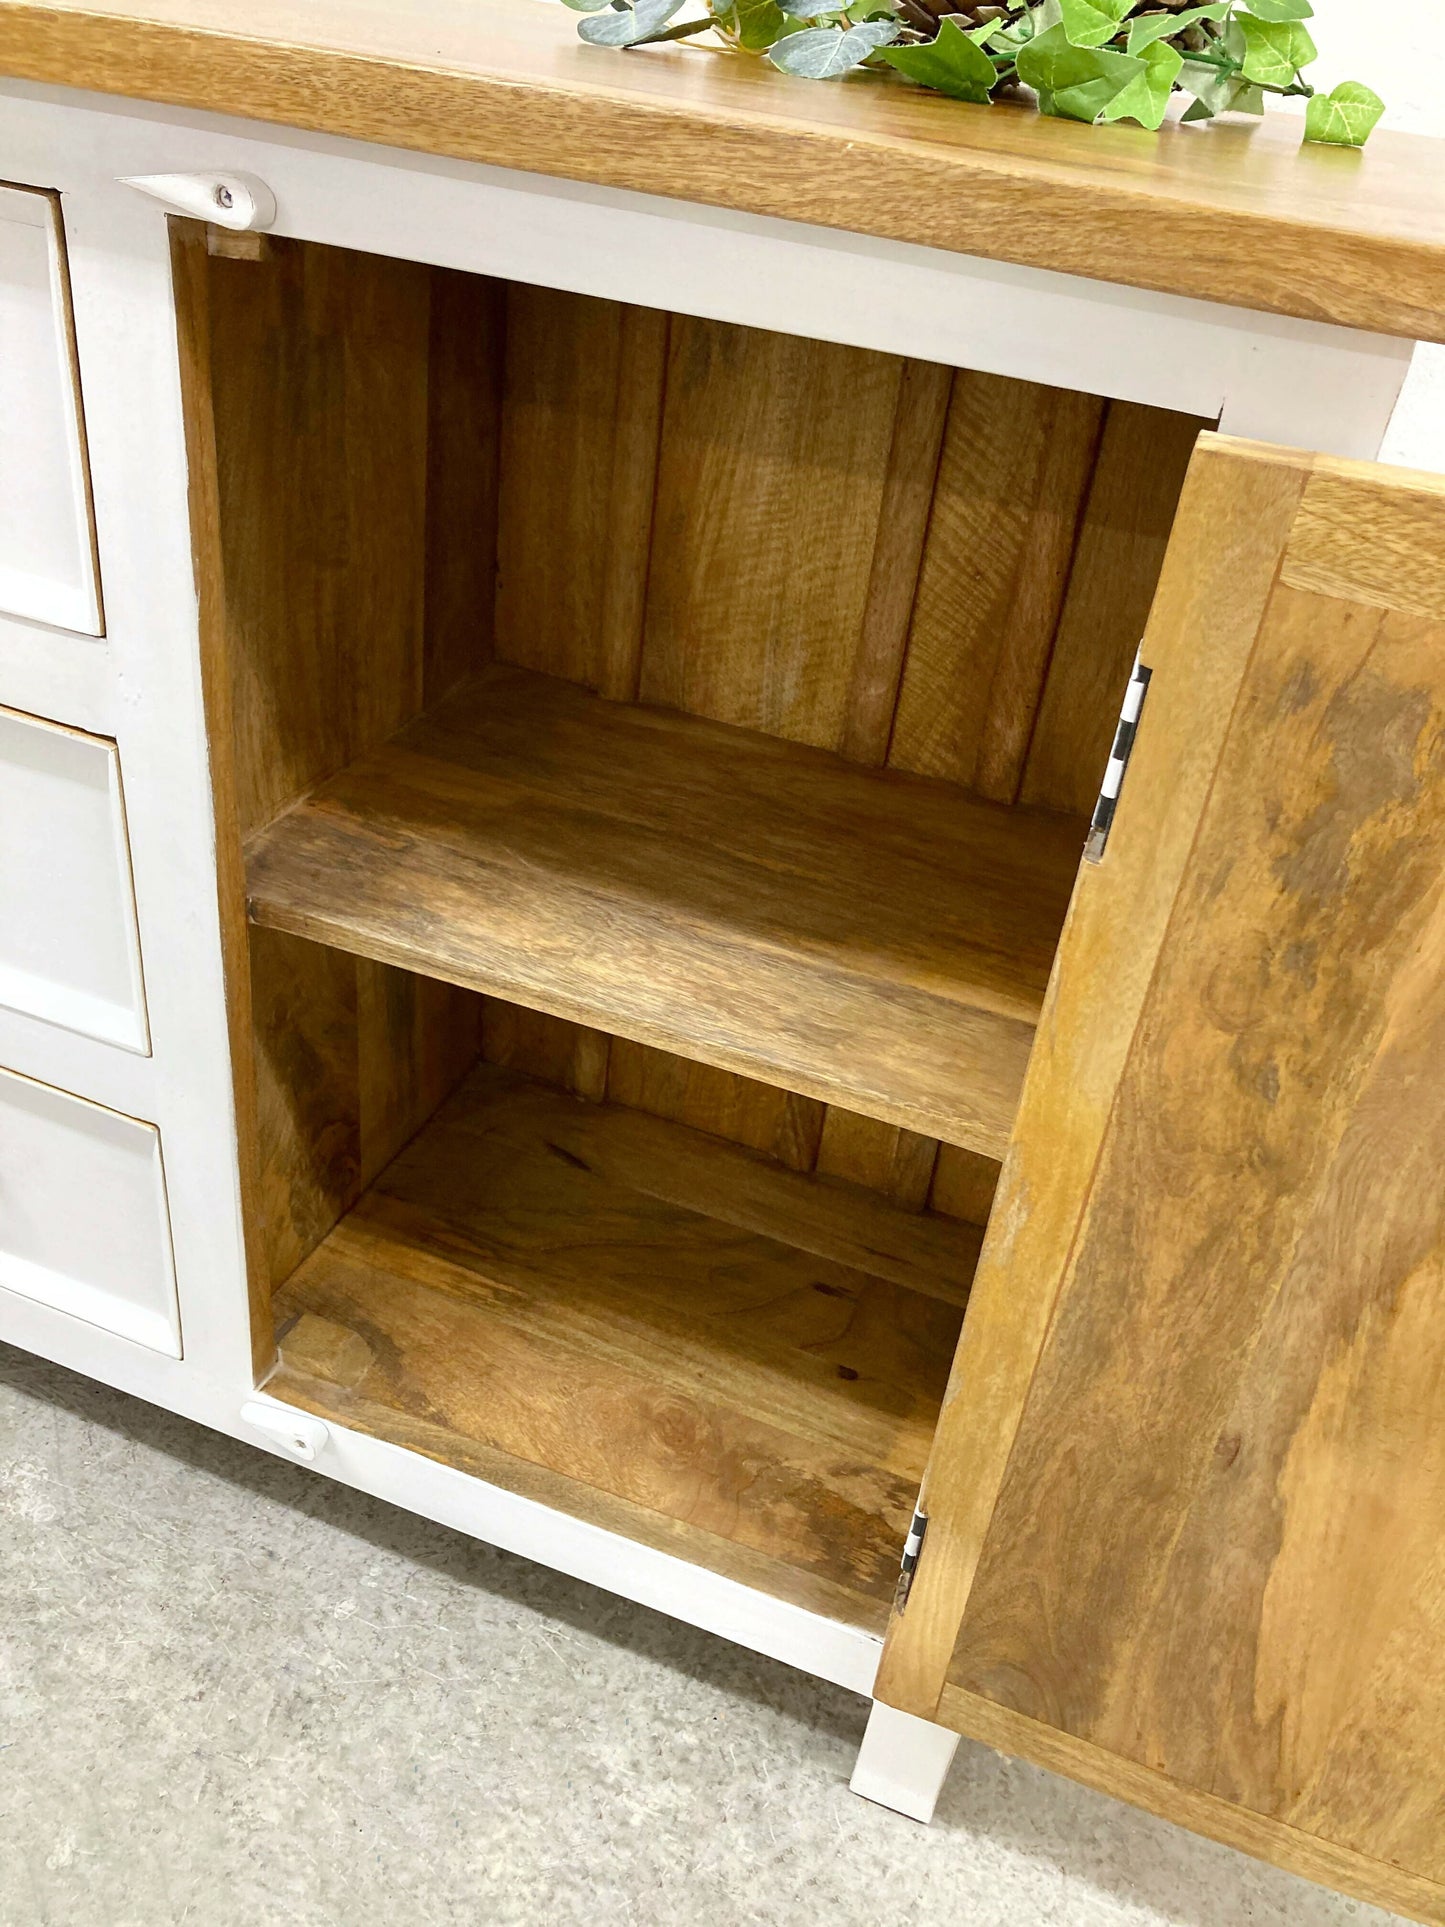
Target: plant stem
[[680, 32]]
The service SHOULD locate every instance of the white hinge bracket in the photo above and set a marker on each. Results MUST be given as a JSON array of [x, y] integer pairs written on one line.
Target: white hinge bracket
[[237, 201], [1103, 818], [912, 1546]]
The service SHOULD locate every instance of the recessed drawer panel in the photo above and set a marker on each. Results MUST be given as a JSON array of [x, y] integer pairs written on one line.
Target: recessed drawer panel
[[69, 949], [83, 1222], [47, 556]]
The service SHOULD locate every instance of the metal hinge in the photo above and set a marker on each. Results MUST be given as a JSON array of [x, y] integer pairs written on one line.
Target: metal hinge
[[912, 1546], [1108, 802]]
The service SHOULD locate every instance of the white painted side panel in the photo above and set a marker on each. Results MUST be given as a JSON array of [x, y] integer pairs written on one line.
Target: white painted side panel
[[69, 950], [83, 1225], [47, 569]]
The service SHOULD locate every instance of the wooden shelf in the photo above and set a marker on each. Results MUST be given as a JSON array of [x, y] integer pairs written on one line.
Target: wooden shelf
[[863, 937], [1235, 213], [644, 1325]]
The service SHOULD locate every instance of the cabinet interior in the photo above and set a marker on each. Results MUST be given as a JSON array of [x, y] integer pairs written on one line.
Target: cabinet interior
[[657, 754]]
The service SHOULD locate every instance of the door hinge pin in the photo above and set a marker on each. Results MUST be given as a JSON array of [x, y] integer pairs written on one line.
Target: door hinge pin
[[1103, 817], [912, 1546]]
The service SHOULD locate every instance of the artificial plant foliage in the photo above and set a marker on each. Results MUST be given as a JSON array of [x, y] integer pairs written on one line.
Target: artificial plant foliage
[[1089, 60]]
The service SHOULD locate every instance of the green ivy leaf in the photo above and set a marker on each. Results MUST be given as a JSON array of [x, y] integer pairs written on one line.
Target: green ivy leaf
[[1217, 93], [759, 22], [1345, 118], [1076, 83], [1146, 97], [1280, 9], [952, 64], [626, 26], [1089, 23], [1274, 50], [822, 53], [1149, 27]]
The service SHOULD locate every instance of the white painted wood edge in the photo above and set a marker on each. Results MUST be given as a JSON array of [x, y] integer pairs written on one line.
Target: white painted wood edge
[[903, 1762]]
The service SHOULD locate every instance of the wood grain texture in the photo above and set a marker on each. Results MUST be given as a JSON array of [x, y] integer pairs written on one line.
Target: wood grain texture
[[191, 280], [320, 360], [464, 444], [912, 473], [1216, 1550], [880, 1156], [964, 1184], [860, 937], [1116, 930], [1132, 498], [581, 410], [1240, 213], [1011, 488], [775, 456], [342, 536], [571, 1056], [1282, 1846], [1368, 544], [524, 1283], [740, 1109]]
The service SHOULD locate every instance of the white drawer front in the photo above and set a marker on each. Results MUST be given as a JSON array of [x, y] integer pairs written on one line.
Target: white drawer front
[[69, 948], [83, 1222], [47, 558]]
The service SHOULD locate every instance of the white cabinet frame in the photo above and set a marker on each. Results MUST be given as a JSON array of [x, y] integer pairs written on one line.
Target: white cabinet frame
[[1270, 377]]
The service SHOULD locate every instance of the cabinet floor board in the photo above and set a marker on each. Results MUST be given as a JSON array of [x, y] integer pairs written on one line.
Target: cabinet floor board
[[860, 936], [677, 1337]]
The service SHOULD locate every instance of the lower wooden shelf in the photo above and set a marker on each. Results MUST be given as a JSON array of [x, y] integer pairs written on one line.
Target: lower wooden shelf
[[859, 936], [644, 1326]]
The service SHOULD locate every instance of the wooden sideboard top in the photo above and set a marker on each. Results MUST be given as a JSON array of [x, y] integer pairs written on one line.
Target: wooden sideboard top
[[1239, 212]]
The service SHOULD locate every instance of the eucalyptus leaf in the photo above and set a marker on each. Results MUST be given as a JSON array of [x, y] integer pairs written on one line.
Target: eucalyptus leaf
[[805, 9], [1344, 118], [1146, 97], [822, 53], [1089, 23], [1280, 9], [1146, 28], [953, 64], [1274, 50], [1076, 83], [627, 26], [586, 6]]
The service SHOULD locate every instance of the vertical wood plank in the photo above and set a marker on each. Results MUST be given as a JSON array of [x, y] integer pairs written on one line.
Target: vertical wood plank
[[580, 412], [571, 1056], [320, 407], [464, 439], [780, 1123], [1130, 510], [1116, 930], [964, 1183], [1011, 489], [883, 1157], [918, 426], [416, 1040], [775, 452]]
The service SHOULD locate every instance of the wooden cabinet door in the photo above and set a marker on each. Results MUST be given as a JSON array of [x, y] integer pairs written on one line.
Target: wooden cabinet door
[[1186, 1506]]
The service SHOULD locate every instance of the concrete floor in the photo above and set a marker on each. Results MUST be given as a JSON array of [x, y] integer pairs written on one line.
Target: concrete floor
[[235, 1694]]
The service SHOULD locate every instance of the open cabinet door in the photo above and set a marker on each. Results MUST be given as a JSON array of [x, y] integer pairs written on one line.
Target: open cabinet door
[[1186, 1504]]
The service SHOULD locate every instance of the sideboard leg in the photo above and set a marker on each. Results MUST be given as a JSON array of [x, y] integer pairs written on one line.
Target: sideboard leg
[[903, 1762]]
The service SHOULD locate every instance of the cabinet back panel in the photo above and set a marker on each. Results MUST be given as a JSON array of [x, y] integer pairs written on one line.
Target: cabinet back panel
[[942, 571]]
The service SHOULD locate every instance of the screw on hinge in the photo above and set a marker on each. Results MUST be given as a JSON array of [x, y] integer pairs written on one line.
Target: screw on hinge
[[912, 1546], [224, 196]]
